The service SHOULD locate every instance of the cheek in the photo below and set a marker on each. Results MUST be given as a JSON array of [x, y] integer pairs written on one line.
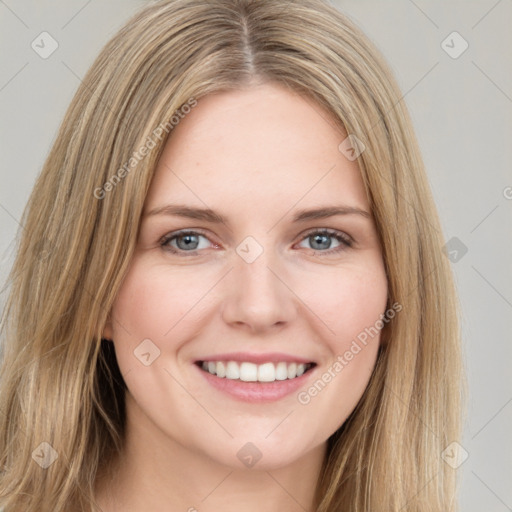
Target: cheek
[[155, 304], [154, 300], [348, 300]]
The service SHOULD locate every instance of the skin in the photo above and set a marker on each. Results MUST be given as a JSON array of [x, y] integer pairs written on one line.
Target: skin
[[256, 156]]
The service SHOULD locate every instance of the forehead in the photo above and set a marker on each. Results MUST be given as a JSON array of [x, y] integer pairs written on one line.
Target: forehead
[[260, 147]]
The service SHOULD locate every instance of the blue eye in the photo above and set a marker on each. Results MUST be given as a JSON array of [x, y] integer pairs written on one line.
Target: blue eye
[[186, 241], [321, 240], [190, 241]]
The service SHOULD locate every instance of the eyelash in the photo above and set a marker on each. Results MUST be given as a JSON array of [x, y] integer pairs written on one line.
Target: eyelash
[[345, 241]]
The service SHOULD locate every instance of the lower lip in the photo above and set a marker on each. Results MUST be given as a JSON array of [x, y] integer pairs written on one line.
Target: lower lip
[[256, 392]]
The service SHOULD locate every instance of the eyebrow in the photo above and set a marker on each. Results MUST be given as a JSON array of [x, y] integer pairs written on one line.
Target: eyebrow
[[208, 215]]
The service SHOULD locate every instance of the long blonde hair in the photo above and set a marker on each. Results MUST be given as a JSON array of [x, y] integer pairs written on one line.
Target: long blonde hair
[[60, 383]]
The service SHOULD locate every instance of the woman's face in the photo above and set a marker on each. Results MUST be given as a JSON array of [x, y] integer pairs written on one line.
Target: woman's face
[[274, 283]]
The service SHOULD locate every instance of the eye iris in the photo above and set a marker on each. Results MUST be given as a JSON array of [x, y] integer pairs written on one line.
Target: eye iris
[[321, 239], [191, 241]]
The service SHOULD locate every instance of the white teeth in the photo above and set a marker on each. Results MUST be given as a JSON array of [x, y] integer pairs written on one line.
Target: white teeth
[[281, 371], [266, 372], [250, 372], [232, 370], [292, 370], [220, 369]]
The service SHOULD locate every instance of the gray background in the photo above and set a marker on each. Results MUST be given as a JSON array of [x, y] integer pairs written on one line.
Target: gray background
[[462, 111]]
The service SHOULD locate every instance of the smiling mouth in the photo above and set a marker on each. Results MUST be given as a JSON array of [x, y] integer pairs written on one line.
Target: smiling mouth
[[251, 372]]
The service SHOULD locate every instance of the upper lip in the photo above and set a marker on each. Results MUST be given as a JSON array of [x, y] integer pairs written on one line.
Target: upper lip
[[269, 357]]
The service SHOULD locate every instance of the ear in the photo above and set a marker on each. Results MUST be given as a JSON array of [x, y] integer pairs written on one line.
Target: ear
[[108, 332]]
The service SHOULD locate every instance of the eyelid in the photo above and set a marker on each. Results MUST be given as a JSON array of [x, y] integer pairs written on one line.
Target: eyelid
[[186, 231], [330, 231]]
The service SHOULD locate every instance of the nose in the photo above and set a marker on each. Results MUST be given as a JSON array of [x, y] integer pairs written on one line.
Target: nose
[[258, 297]]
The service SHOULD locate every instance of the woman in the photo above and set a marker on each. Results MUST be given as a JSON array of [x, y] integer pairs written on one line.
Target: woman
[[304, 355]]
